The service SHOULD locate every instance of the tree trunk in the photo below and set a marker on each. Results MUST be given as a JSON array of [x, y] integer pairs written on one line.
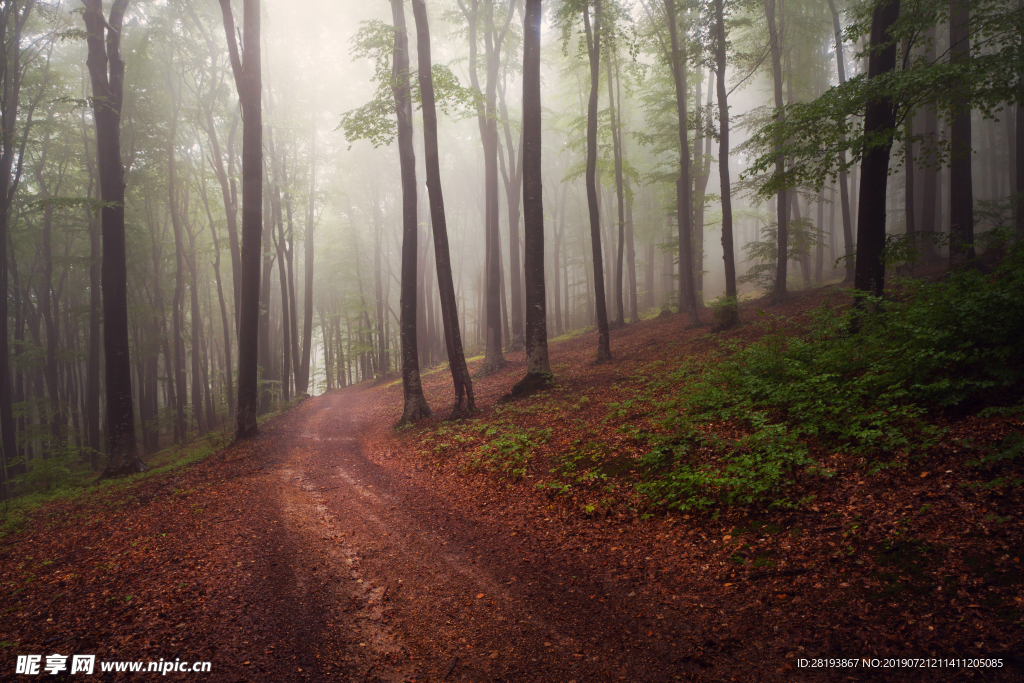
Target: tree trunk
[[844, 184], [879, 120], [196, 326], [604, 352], [731, 313], [961, 193], [106, 71], [302, 380], [782, 209], [620, 307], [463, 383], [249, 86], [179, 282], [684, 200], [538, 368], [416, 407]]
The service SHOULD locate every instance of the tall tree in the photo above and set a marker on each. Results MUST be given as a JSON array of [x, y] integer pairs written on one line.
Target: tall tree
[[416, 407], [781, 200], [604, 351], [684, 199], [538, 367], [879, 122], [961, 189], [728, 252], [844, 184], [463, 383], [12, 24], [106, 72], [248, 82], [494, 358]]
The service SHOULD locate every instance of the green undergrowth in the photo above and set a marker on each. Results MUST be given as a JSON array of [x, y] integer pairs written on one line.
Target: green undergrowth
[[15, 513], [866, 380]]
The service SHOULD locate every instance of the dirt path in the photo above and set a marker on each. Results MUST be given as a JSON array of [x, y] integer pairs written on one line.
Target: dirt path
[[433, 590]]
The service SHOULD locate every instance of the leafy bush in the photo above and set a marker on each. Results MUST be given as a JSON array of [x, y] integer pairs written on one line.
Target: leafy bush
[[858, 379]]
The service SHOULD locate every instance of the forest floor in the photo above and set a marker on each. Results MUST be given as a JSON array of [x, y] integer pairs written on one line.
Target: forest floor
[[335, 548]]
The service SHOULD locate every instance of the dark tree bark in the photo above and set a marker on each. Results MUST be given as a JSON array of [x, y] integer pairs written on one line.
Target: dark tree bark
[[604, 352], [196, 326], [416, 407], [179, 280], [879, 120], [538, 367], [728, 252], [844, 183], [1018, 147], [620, 256], [12, 23], [106, 72], [961, 190], [782, 205], [908, 193], [302, 379], [684, 200], [463, 384], [248, 83]]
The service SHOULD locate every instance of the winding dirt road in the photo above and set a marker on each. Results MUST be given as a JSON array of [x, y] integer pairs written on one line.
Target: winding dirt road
[[399, 581]]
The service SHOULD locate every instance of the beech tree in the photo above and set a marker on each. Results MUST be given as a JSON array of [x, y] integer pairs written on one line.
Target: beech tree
[[416, 407], [538, 368], [464, 402], [248, 82], [106, 71]]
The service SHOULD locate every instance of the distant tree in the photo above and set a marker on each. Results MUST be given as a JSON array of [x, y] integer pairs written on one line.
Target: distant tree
[[106, 71], [246, 70]]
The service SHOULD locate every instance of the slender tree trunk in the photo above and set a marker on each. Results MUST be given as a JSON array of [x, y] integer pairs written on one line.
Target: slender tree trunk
[[196, 326], [416, 407], [463, 384], [684, 200], [782, 208], [179, 281], [844, 184], [728, 252], [249, 85], [1018, 147], [302, 381], [620, 307], [92, 368], [961, 192], [229, 383], [879, 120], [908, 199], [106, 71], [604, 352]]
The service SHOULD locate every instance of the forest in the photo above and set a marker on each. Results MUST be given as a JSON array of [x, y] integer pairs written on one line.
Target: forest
[[724, 297]]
